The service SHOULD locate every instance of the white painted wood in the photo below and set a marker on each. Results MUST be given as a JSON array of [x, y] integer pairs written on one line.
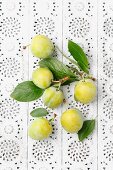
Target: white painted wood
[[13, 69], [105, 80], [80, 25], [45, 18], [90, 24]]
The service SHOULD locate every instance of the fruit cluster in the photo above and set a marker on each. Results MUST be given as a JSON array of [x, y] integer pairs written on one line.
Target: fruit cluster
[[46, 82]]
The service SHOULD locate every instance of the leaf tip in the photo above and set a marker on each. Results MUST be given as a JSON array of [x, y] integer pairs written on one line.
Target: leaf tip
[[11, 95], [69, 41]]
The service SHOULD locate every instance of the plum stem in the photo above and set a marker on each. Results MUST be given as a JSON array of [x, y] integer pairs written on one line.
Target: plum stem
[[90, 77], [64, 101], [26, 46], [52, 119]]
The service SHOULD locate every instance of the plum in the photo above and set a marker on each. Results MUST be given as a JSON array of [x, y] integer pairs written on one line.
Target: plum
[[41, 46], [42, 77], [85, 91], [40, 129], [52, 97], [72, 120]]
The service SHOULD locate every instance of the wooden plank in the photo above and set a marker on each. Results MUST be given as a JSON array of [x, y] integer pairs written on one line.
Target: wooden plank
[[80, 25], [45, 18], [105, 92], [13, 70]]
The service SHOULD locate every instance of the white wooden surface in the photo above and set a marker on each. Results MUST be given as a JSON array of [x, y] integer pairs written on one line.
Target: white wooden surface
[[87, 22]]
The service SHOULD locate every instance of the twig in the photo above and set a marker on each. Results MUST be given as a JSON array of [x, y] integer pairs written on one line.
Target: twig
[[78, 72], [74, 62], [71, 60], [61, 80]]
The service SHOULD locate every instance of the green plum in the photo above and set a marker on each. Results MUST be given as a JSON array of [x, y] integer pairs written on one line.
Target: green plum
[[52, 97], [42, 77], [72, 120], [85, 91], [41, 46], [40, 129]]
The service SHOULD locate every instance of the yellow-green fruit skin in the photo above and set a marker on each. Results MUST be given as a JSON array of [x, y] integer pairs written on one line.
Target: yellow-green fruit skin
[[40, 129], [72, 120], [85, 91], [41, 46], [52, 97], [42, 77]]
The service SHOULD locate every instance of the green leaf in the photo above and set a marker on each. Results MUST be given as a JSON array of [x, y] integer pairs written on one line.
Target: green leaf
[[58, 69], [87, 129], [39, 112], [26, 92], [79, 55]]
